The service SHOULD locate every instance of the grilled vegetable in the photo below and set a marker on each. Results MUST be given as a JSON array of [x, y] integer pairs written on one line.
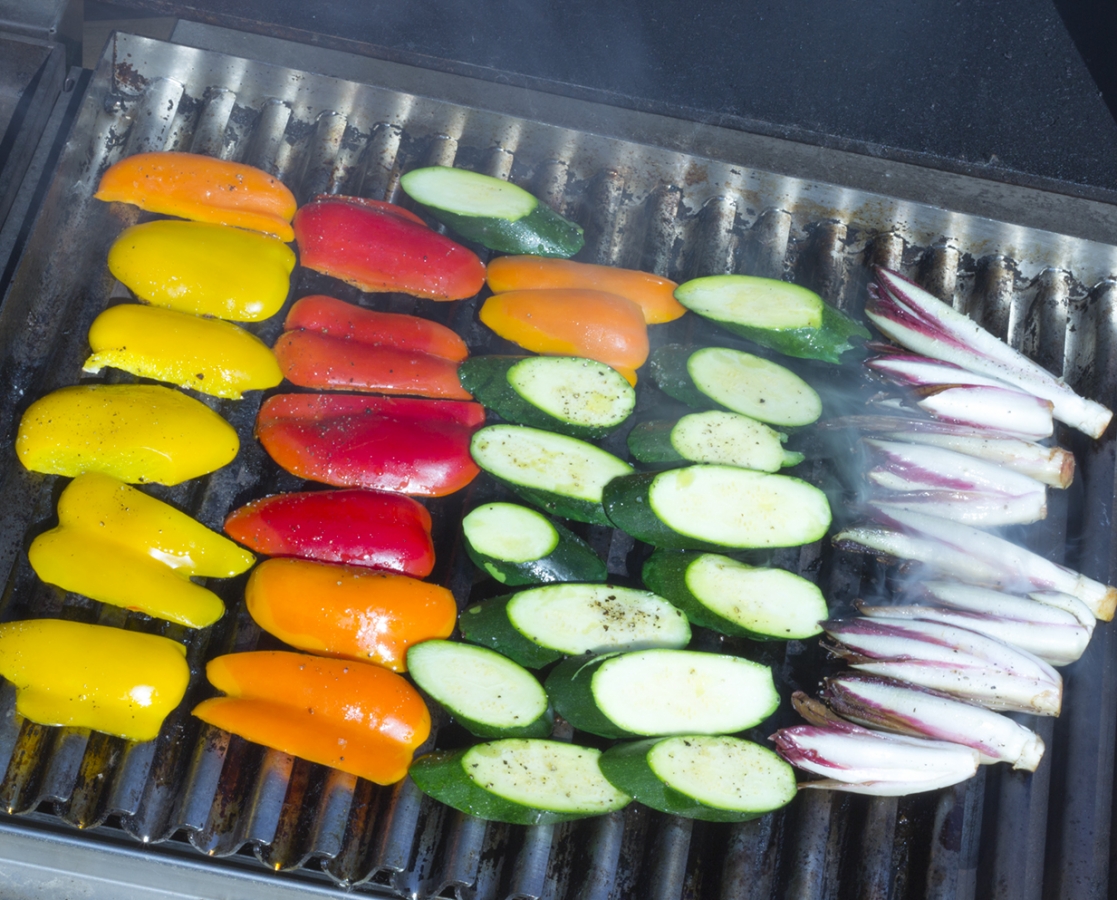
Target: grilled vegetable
[[720, 378], [207, 355], [201, 188], [517, 545], [347, 611], [1048, 607], [773, 313], [567, 322], [377, 246], [117, 545], [714, 507], [123, 683], [662, 692], [134, 432], [712, 437], [357, 527], [520, 781], [921, 322], [204, 269], [715, 778], [731, 597], [653, 294], [486, 693], [494, 213], [568, 394], [411, 446], [992, 409], [561, 474], [535, 627], [354, 716]]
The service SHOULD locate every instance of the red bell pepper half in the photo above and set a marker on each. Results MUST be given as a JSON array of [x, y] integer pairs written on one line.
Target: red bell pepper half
[[377, 246], [401, 444], [357, 527]]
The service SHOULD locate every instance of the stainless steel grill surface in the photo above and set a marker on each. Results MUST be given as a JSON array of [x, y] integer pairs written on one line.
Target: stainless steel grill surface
[[1001, 835]]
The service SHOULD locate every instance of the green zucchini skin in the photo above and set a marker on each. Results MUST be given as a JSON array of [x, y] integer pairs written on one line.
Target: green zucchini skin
[[444, 776], [572, 560], [650, 443], [626, 766], [668, 368], [542, 232], [570, 687], [486, 378], [827, 343], [487, 624]]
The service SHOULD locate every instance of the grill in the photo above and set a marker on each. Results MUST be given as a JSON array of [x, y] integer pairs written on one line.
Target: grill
[[652, 193]]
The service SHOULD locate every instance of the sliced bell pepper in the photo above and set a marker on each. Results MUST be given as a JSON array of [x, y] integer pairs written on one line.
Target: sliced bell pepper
[[204, 269], [348, 611], [653, 294], [201, 188], [123, 683], [208, 355], [117, 545], [377, 246], [567, 322], [376, 529], [134, 432], [356, 717], [401, 444]]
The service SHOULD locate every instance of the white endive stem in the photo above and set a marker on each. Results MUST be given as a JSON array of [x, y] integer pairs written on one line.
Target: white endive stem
[[1042, 608], [992, 408]]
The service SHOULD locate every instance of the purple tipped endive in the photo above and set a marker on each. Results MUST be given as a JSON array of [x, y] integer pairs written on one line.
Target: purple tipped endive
[[955, 486], [918, 320], [970, 555], [953, 660], [905, 709], [1053, 466], [871, 762]]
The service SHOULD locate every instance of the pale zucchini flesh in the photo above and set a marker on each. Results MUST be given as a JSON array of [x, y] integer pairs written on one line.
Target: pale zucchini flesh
[[758, 302], [578, 391], [730, 439], [466, 193], [509, 532], [754, 386]]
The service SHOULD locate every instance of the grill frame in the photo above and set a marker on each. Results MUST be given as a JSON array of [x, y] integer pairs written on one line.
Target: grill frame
[[652, 193]]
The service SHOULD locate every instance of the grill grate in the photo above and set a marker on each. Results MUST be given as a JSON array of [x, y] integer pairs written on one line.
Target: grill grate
[[680, 214]]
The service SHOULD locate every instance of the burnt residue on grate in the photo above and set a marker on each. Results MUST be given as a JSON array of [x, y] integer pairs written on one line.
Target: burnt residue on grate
[[1002, 835]]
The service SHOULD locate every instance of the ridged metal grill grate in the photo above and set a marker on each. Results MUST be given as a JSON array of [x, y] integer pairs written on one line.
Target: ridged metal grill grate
[[1001, 835]]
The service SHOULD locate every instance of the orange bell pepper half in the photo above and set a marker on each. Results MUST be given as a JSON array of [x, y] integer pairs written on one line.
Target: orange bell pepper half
[[653, 294], [348, 611], [377, 246], [191, 186], [353, 716], [568, 322]]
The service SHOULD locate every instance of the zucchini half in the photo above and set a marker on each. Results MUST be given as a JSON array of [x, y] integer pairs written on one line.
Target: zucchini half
[[662, 692], [558, 473], [485, 692], [520, 781], [517, 545], [496, 214], [537, 626], [722, 378], [569, 394], [717, 507], [733, 598], [712, 437], [786, 317], [714, 778]]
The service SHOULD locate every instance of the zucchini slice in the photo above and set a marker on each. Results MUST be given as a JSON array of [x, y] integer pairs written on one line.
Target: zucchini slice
[[712, 437], [561, 474], [569, 394], [517, 545], [715, 778], [721, 378], [537, 626], [662, 692], [494, 213], [786, 317], [520, 781], [715, 507], [720, 593], [485, 692]]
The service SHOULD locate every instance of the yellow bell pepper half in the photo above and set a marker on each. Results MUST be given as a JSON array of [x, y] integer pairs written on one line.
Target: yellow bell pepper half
[[204, 269], [117, 545], [208, 355], [120, 682], [134, 432]]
